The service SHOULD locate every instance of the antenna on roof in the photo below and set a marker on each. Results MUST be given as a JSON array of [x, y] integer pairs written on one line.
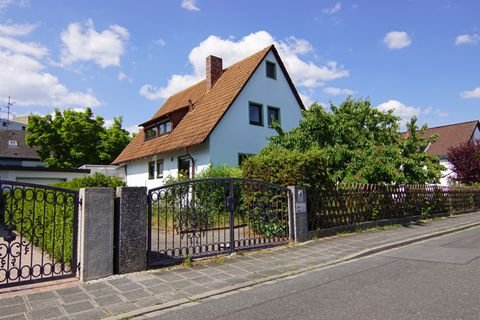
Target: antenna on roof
[[10, 103]]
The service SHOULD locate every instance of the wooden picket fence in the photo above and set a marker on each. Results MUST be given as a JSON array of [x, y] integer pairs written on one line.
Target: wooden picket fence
[[350, 204]]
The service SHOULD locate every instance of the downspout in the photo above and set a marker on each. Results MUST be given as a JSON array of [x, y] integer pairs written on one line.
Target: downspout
[[192, 160]]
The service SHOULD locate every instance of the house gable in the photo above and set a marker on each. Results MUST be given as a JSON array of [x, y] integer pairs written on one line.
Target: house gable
[[234, 134], [206, 109]]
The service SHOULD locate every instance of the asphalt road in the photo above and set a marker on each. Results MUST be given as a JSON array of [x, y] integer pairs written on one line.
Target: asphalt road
[[437, 279]]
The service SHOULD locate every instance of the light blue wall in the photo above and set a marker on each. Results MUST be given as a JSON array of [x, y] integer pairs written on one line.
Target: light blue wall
[[234, 134]]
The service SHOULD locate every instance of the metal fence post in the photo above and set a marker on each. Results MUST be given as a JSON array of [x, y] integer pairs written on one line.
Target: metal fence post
[[231, 207]]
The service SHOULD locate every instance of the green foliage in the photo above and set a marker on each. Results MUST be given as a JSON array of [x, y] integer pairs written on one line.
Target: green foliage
[[114, 140], [355, 142], [69, 138], [220, 172], [44, 217], [277, 164], [97, 180]]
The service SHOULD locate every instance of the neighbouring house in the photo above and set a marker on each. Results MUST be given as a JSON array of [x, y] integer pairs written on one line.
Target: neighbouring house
[[220, 120], [105, 169], [17, 124], [19, 162], [449, 136]]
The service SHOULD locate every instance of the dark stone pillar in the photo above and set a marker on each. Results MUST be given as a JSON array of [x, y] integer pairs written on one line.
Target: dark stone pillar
[[130, 229]]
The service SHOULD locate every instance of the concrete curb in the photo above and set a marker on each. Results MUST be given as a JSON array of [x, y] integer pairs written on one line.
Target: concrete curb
[[140, 313]]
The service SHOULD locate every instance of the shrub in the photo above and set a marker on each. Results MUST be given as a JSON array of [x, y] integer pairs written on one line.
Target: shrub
[[43, 217], [282, 166], [97, 180]]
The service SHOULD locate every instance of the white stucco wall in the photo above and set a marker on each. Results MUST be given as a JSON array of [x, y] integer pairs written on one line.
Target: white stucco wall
[[447, 174], [137, 171], [234, 134], [476, 135], [39, 177]]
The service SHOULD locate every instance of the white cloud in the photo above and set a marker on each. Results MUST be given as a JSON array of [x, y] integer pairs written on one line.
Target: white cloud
[[306, 99], [332, 91], [19, 3], [132, 129], [397, 40], [471, 94], [84, 43], [190, 5], [467, 39], [27, 48], [160, 42], [404, 112], [337, 7], [305, 73], [17, 30], [122, 76], [24, 77]]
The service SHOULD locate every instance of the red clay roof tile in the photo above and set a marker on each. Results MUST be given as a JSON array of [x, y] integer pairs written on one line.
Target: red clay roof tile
[[208, 108]]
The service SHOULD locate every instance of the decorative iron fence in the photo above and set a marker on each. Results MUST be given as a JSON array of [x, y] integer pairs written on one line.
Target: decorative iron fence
[[38, 233], [216, 215], [352, 204]]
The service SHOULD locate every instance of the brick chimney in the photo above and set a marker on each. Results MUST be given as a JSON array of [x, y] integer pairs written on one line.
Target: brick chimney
[[214, 70]]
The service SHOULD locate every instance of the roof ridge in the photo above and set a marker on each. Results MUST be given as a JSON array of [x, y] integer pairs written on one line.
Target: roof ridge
[[452, 124]]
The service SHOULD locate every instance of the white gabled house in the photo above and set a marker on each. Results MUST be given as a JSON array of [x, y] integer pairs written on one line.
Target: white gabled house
[[217, 121]]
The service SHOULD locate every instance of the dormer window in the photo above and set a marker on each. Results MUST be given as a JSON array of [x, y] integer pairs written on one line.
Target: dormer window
[[158, 129], [164, 128], [150, 133]]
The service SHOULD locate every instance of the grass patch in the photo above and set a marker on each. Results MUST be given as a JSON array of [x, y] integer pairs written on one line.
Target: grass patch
[[187, 262], [219, 260]]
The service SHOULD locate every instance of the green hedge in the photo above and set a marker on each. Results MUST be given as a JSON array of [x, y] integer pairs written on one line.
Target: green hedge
[[97, 180], [43, 217], [289, 167]]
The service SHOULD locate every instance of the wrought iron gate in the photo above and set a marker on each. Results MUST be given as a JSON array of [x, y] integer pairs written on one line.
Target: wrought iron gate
[[38, 233], [217, 215]]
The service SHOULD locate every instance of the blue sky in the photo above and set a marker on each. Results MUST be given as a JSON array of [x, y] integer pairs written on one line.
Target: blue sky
[[124, 57]]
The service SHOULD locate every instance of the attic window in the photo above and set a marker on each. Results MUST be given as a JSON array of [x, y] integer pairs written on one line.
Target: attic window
[[271, 70], [164, 128], [150, 133], [12, 143], [158, 129], [255, 113]]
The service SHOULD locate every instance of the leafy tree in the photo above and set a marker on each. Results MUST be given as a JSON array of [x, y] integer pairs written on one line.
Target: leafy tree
[[362, 144], [113, 141], [72, 138], [465, 159]]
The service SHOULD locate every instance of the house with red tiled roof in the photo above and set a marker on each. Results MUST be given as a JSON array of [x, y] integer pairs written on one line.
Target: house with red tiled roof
[[449, 136], [217, 121]]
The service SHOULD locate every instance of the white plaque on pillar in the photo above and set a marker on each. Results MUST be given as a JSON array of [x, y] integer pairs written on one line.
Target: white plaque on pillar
[[300, 207]]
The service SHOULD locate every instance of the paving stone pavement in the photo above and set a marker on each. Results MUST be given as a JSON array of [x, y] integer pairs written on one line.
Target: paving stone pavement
[[152, 289]]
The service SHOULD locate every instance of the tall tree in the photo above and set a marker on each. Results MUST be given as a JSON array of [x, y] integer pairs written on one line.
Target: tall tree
[[72, 138], [114, 140], [363, 144], [465, 159]]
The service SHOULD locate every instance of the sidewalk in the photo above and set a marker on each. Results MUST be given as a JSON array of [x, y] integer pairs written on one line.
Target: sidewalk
[[127, 296]]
